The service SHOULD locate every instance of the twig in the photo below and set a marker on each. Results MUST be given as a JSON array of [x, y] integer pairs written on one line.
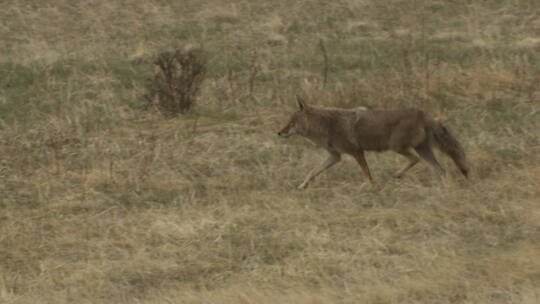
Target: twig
[[253, 74], [325, 55]]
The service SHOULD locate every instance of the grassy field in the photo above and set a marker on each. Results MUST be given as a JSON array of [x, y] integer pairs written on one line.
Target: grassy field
[[102, 201]]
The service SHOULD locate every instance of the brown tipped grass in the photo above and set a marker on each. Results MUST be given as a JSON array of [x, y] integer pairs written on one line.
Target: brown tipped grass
[[103, 202]]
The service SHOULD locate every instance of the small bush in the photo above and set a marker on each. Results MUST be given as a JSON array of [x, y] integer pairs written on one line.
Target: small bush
[[177, 82]]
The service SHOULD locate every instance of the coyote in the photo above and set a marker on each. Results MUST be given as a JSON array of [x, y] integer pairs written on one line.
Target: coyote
[[353, 131]]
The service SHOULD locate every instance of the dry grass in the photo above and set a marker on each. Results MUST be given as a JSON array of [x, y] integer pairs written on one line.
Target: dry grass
[[176, 84], [102, 202]]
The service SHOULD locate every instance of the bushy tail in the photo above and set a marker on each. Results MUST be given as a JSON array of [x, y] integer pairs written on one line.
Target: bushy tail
[[448, 144]]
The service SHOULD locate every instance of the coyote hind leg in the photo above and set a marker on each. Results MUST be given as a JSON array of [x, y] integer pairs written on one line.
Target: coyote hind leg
[[332, 159], [424, 150], [413, 160], [361, 159]]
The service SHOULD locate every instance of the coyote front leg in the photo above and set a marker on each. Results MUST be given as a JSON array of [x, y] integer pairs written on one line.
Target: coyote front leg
[[332, 159]]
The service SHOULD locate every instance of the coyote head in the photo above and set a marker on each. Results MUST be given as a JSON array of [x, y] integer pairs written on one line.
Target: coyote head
[[298, 122]]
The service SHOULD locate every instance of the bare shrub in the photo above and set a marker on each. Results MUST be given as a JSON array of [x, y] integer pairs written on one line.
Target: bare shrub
[[174, 88]]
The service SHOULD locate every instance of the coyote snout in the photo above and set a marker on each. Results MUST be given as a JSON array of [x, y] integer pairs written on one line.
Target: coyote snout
[[288, 130], [293, 127], [353, 131]]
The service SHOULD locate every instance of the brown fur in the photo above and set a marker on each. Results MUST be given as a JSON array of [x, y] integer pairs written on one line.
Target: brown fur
[[353, 131]]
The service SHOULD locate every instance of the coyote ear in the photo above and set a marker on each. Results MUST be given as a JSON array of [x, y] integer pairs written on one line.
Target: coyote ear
[[301, 103]]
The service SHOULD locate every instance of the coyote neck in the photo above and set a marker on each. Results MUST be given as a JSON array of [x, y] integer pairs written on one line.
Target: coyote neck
[[325, 127]]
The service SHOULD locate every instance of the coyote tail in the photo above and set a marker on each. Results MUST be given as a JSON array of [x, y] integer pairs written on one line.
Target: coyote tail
[[448, 144]]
